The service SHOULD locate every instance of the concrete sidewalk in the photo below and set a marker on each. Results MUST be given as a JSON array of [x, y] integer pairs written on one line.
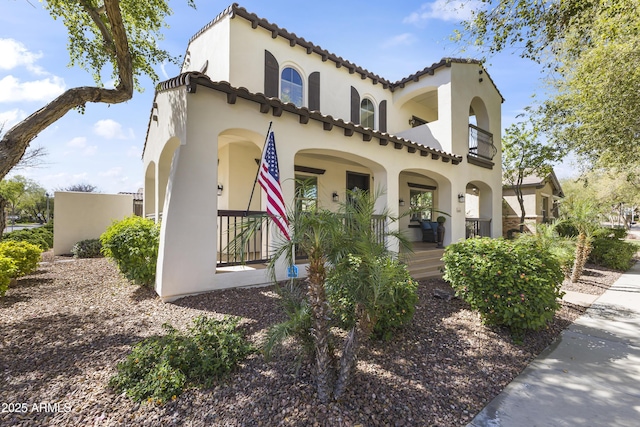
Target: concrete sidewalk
[[589, 377]]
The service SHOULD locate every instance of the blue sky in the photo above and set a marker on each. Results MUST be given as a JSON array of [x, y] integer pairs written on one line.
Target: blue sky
[[103, 147]]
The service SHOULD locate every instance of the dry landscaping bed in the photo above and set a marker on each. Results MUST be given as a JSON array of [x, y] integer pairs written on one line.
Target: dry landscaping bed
[[64, 328]]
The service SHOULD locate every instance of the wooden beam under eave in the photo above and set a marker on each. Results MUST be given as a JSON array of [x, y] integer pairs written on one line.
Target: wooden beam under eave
[[327, 125], [424, 153], [277, 111], [231, 98], [274, 33], [446, 159], [304, 119], [397, 145], [384, 142], [435, 156], [455, 162], [264, 108], [366, 137], [292, 42], [348, 132], [411, 149], [309, 50]]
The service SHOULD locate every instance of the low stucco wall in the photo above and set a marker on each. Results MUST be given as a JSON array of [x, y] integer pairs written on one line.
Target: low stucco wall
[[81, 216]]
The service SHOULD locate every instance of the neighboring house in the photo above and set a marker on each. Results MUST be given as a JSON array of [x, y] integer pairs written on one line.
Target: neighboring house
[[541, 197], [432, 137], [138, 198]]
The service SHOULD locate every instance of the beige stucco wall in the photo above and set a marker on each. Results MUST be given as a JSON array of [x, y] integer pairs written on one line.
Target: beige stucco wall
[[81, 216], [198, 140]]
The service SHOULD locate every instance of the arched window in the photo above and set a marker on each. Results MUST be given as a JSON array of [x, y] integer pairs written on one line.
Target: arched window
[[367, 114], [291, 87]]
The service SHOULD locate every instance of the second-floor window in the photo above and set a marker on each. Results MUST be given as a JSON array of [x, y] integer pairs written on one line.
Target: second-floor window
[[291, 87], [367, 113]]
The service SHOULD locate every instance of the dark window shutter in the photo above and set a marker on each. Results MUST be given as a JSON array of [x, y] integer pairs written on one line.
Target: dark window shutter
[[382, 116], [314, 91], [271, 71], [355, 106]]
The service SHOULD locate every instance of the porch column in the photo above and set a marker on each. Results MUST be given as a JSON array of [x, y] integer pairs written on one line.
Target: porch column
[[387, 180]]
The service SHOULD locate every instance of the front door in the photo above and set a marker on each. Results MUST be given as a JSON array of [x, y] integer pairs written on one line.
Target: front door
[[357, 180]]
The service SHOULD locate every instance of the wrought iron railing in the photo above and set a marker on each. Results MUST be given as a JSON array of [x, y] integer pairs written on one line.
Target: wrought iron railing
[[481, 143], [253, 250], [477, 227]]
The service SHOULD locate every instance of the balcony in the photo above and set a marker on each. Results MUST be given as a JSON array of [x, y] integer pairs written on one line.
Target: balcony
[[481, 148]]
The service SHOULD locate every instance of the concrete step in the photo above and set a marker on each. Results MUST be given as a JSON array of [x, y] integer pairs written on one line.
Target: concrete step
[[425, 264]]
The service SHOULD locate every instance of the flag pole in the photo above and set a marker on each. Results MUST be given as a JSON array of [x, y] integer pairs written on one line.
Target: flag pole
[[253, 189]]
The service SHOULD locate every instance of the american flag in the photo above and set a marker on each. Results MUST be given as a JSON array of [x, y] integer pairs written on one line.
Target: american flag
[[269, 179]]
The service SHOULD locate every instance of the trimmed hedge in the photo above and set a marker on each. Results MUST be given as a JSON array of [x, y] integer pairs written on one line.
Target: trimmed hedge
[[25, 256], [613, 253], [510, 283], [133, 244], [90, 248], [40, 236]]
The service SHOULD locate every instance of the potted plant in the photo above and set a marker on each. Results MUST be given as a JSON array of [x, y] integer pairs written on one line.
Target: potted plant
[[440, 232]]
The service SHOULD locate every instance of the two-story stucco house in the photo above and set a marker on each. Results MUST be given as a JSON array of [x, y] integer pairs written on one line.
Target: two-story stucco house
[[432, 137]]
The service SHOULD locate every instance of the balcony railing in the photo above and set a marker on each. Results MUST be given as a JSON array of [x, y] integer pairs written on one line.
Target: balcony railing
[[477, 227], [481, 143]]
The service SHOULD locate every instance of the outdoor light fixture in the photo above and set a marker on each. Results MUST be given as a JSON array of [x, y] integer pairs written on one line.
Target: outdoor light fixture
[[401, 202], [334, 196], [220, 188], [461, 197]]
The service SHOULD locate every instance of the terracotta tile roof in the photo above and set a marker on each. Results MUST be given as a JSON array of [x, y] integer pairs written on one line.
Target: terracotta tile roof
[[235, 10]]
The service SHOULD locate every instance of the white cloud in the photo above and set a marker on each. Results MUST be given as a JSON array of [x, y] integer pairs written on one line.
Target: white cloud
[[77, 142], [110, 129], [134, 151], [405, 39], [15, 54], [13, 90], [112, 173], [80, 143], [444, 10], [10, 118]]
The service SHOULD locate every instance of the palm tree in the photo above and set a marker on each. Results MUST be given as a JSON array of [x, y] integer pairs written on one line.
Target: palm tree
[[583, 215], [329, 240]]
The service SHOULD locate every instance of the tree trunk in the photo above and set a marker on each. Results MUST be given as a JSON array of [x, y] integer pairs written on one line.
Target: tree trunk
[[3, 217], [359, 333], [316, 276], [580, 261], [14, 143]]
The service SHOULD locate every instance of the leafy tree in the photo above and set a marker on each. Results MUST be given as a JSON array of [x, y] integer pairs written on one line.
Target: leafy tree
[[120, 34], [591, 47], [82, 187], [524, 155], [12, 190]]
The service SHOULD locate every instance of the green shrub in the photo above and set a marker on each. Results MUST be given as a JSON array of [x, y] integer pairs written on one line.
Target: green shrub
[[394, 294], [133, 244], [611, 233], [7, 272], [159, 368], [90, 248], [26, 256], [562, 248], [36, 236], [613, 253], [511, 283]]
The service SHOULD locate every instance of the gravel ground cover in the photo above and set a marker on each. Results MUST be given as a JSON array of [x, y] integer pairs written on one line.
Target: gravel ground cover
[[64, 328]]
